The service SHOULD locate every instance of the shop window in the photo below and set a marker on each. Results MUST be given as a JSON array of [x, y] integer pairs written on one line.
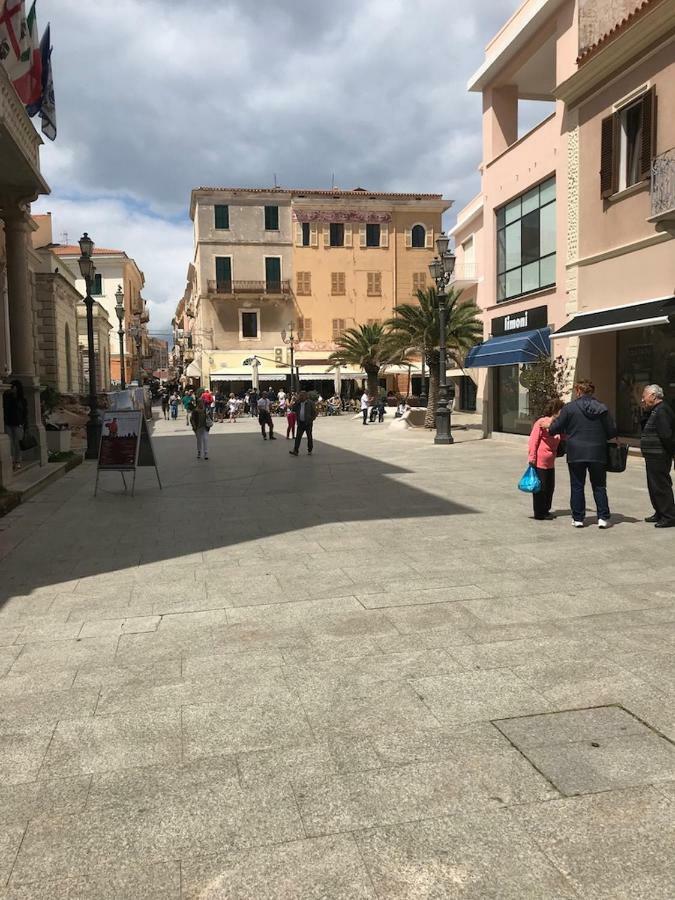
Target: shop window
[[628, 143], [644, 356], [512, 409], [526, 239]]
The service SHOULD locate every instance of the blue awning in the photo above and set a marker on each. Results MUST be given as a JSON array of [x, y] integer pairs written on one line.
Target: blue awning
[[509, 349]]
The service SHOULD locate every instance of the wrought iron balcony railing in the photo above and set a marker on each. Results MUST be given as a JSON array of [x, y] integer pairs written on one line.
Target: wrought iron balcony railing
[[268, 288], [663, 187]]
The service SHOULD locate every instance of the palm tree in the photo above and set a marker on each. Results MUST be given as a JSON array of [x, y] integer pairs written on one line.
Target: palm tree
[[362, 346], [415, 330]]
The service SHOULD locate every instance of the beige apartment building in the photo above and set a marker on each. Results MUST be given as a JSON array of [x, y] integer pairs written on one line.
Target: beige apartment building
[[575, 215], [318, 261]]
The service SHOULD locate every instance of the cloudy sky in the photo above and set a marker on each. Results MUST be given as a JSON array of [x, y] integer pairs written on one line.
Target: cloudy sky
[[155, 97]]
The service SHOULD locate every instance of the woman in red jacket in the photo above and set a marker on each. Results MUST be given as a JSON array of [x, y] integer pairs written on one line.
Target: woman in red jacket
[[542, 450]]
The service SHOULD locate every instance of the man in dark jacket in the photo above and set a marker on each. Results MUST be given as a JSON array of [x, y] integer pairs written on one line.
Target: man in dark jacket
[[657, 444], [305, 411], [587, 426]]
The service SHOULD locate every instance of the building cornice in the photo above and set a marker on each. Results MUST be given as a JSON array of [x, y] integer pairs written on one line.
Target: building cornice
[[655, 28]]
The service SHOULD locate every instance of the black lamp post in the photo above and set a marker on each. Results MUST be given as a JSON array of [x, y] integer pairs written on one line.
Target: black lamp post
[[119, 310], [441, 269], [289, 339], [88, 271]]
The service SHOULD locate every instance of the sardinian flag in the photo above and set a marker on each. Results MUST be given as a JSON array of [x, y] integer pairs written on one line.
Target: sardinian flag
[[14, 38]]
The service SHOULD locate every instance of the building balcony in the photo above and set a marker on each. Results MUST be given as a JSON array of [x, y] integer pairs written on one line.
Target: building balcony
[[464, 276], [663, 190], [260, 288]]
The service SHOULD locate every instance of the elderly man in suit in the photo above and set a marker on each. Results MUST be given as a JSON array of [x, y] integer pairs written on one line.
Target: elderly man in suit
[[305, 412], [657, 444]]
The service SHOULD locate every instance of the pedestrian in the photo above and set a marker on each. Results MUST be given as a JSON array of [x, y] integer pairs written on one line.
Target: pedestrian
[[657, 444], [381, 403], [253, 403], [542, 451], [15, 410], [188, 404], [265, 416], [232, 408], [219, 399], [165, 404], [588, 427], [305, 410], [199, 420], [291, 417], [364, 407], [173, 403]]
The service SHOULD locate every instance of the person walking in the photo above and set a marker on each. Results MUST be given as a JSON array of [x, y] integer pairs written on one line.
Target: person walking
[[587, 426], [364, 407], [188, 405], [200, 426], [265, 416], [173, 403], [305, 410], [381, 403], [291, 418], [15, 410], [253, 403], [542, 451], [232, 408], [657, 444], [165, 403]]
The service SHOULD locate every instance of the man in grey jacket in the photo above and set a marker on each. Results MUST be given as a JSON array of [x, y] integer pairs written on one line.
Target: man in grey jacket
[[587, 426], [657, 444]]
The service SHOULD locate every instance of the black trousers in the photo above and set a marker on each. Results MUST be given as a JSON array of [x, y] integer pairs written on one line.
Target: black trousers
[[660, 487], [543, 499], [304, 428], [265, 419]]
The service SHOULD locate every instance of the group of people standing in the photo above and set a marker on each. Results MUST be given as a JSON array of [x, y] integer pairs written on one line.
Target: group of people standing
[[581, 430]]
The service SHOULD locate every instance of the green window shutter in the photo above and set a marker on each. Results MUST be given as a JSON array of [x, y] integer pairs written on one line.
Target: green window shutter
[[222, 216], [271, 218], [223, 272]]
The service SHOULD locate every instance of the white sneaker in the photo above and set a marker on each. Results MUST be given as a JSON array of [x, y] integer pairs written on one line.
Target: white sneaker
[[603, 523], [577, 524]]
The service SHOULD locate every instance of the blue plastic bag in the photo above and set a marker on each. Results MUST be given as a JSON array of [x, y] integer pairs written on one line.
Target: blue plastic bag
[[530, 482]]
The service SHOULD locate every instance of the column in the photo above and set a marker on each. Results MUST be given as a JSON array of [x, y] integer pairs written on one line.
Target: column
[[20, 308]]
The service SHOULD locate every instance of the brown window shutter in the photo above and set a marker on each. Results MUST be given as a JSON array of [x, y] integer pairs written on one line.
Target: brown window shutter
[[648, 147], [609, 146]]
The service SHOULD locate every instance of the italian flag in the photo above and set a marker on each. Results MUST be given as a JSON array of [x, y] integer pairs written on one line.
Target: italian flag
[[27, 80]]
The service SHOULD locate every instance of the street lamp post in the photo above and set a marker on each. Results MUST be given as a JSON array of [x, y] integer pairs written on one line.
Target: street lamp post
[[88, 270], [441, 269], [289, 339], [119, 310]]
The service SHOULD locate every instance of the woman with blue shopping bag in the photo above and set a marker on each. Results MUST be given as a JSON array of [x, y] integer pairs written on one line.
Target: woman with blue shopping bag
[[543, 448]]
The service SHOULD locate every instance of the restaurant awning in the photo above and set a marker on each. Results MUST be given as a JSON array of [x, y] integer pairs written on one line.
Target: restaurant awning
[[510, 349], [194, 370], [634, 315]]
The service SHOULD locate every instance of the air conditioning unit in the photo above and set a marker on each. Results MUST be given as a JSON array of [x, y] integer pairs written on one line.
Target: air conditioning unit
[[279, 356]]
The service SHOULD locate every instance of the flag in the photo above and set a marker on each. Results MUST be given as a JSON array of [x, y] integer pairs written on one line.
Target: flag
[[14, 38], [29, 84], [46, 105]]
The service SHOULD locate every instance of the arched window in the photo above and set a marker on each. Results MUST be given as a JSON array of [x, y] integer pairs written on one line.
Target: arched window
[[419, 236], [69, 362]]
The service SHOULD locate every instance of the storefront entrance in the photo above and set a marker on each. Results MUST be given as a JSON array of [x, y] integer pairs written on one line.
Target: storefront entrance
[[512, 411], [644, 356]]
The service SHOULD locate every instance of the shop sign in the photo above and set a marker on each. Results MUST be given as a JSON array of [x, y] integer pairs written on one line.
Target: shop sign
[[525, 320]]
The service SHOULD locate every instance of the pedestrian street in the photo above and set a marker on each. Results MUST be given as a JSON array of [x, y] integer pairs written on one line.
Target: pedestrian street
[[364, 673]]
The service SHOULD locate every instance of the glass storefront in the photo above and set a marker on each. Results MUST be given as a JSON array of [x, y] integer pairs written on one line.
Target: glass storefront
[[512, 409], [644, 356]]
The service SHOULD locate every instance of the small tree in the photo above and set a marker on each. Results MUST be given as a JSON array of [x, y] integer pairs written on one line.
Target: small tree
[[362, 346], [545, 379]]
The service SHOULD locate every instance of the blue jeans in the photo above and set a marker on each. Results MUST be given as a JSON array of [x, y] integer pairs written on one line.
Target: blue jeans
[[597, 472]]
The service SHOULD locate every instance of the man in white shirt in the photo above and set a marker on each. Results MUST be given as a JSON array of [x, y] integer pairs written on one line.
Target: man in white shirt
[[364, 406], [265, 416]]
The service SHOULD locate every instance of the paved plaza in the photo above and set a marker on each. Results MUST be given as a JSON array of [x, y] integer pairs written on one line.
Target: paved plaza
[[362, 674]]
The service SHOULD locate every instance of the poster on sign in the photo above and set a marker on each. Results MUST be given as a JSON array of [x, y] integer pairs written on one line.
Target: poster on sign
[[120, 440]]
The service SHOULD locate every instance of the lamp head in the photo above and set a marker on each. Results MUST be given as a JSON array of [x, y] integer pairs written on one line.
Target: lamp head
[[86, 245], [87, 267], [442, 243], [436, 268], [449, 259]]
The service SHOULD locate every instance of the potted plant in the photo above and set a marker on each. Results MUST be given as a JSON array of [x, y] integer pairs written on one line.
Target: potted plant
[[58, 436]]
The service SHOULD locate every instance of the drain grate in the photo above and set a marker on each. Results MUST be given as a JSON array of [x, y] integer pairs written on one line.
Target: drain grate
[[585, 751]]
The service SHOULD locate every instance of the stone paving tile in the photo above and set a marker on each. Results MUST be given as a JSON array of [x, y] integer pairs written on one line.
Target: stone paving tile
[[294, 612], [289, 763], [116, 626], [38, 682], [565, 727], [612, 846], [65, 654], [434, 615], [418, 596], [467, 856], [161, 881], [378, 667], [400, 747], [511, 653], [22, 750], [48, 796], [105, 743], [10, 841], [7, 657], [329, 867], [66, 631], [472, 696], [9, 636], [221, 818], [45, 707]]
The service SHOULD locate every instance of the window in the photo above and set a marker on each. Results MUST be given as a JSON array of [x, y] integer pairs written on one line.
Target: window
[[374, 284], [248, 324], [306, 234], [273, 274], [97, 285], [372, 235], [337, 234], [224, 274], [271, 218], [526, 236], [221, 216], [627, 145], [304, 329], [419, 282], [337, 283], [374, 322], [419, 236], [338, 328], [304, 283]]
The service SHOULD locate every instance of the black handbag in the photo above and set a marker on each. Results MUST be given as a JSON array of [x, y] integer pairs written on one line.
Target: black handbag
[[28, 441], [562, 449], [617, 455]]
